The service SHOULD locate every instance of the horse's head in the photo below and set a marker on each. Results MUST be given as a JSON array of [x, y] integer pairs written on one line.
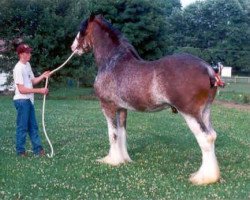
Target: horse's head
[[96, 28], [82, 43]]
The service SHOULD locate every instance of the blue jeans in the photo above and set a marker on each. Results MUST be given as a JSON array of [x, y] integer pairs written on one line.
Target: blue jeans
[[26, 122]]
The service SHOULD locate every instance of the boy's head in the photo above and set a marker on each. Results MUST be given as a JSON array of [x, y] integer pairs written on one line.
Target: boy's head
[[23, 48]]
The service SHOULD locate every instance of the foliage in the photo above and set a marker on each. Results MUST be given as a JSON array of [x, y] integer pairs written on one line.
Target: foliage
[[49, 27], [142, 22], [235, 92], [164, 151], [215, 30], [219, 28]]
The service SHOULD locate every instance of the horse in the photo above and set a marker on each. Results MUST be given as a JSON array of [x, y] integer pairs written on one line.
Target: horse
[[125, 81]]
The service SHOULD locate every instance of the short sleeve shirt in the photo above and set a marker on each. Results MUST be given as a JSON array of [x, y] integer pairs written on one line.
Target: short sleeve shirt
[[23, 75]]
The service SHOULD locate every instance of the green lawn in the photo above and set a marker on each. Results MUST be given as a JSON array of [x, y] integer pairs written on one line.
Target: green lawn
[[163, 149], [235, 92]]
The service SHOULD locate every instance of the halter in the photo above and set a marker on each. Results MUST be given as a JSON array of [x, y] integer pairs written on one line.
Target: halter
[[80, 41]]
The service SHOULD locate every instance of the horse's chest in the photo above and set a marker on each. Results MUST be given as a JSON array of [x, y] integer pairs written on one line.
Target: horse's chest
[[108, 89], [105, 86]]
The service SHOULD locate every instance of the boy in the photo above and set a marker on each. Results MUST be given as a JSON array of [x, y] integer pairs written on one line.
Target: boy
[[24, 102]]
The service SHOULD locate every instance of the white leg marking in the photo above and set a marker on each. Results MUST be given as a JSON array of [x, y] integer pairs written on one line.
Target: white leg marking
[[209, 171], [118, 148], [123, 143]]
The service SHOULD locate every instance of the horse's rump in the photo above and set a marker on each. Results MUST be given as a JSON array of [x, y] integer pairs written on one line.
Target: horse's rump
[[187, 81]]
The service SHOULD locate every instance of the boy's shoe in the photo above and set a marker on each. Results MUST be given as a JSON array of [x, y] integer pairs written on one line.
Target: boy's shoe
[[23, 154], [42, 153]]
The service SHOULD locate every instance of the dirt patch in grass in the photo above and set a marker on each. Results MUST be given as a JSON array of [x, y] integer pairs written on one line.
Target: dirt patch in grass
[[245, 107]]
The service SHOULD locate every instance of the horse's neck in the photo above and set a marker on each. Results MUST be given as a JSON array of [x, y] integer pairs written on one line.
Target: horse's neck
[[106, 50], [102, 54]]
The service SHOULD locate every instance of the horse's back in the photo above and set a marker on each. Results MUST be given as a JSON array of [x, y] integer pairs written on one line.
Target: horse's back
[[183, 62], [180, 80]]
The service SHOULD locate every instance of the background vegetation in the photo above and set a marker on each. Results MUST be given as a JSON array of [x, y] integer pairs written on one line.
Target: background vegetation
[[215, 30], [235, 92], [162, 147]]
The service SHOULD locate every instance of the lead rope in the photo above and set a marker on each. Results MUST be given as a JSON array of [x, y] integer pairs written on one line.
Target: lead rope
[[44, 100]]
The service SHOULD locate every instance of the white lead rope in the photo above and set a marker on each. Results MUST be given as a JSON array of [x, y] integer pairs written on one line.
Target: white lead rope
[[44, 99]]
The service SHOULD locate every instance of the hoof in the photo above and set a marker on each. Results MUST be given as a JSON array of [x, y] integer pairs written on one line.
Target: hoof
[[128, 160], [202, 179], [109, 161], [114, 162]]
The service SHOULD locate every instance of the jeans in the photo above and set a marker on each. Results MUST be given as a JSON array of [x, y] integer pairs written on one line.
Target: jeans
[[26, 122]]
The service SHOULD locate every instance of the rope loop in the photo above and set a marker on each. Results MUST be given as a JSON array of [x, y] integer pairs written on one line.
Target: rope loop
[[44, 102]]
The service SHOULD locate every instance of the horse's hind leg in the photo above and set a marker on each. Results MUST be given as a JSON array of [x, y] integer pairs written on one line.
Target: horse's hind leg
[[117, 137], [205, 135]]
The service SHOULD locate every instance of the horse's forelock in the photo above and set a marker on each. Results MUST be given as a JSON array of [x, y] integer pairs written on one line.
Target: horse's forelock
[[83, 27]]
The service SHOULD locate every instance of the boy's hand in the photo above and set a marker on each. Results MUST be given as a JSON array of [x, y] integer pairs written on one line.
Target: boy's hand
[[46, 74], [44, 91]]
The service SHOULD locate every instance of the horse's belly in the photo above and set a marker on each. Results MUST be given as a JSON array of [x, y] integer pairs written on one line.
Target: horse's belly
[[142, 106], [126, 105], [157, 108]]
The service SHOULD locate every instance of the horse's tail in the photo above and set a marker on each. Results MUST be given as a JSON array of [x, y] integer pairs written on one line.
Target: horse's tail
[[212, 81], [211, 75], [215, 79]]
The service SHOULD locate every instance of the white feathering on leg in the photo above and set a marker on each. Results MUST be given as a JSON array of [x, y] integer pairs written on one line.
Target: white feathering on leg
[[209, 171]]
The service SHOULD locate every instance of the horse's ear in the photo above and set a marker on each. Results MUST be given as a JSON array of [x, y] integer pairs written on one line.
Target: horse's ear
[[100, 15], [92, 17]]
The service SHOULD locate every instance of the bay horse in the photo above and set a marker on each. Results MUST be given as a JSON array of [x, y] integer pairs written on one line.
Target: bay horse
[[125, 81]]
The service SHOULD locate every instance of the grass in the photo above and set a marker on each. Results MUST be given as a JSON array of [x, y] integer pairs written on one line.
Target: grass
[[235, 92], [164, 151]]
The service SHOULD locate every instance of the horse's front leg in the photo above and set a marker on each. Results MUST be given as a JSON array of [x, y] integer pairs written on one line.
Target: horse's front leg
[[117, 136], [122, 134]]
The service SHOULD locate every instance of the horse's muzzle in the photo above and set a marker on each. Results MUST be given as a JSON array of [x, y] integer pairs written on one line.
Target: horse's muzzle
[[78, 51]]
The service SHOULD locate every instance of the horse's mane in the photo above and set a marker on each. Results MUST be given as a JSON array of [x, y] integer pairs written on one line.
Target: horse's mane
[[115, 35]]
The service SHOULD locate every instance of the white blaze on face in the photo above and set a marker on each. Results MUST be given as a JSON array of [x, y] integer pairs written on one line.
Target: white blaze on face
[[80, 48], [76, 44]]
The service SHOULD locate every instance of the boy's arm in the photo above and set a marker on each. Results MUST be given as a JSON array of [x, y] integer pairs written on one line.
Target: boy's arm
[[24, 90], [38, 79]]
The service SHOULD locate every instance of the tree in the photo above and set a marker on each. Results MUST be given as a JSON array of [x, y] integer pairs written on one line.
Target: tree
[[142, 22], [213, 30], [219, 28], [48, 26]]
